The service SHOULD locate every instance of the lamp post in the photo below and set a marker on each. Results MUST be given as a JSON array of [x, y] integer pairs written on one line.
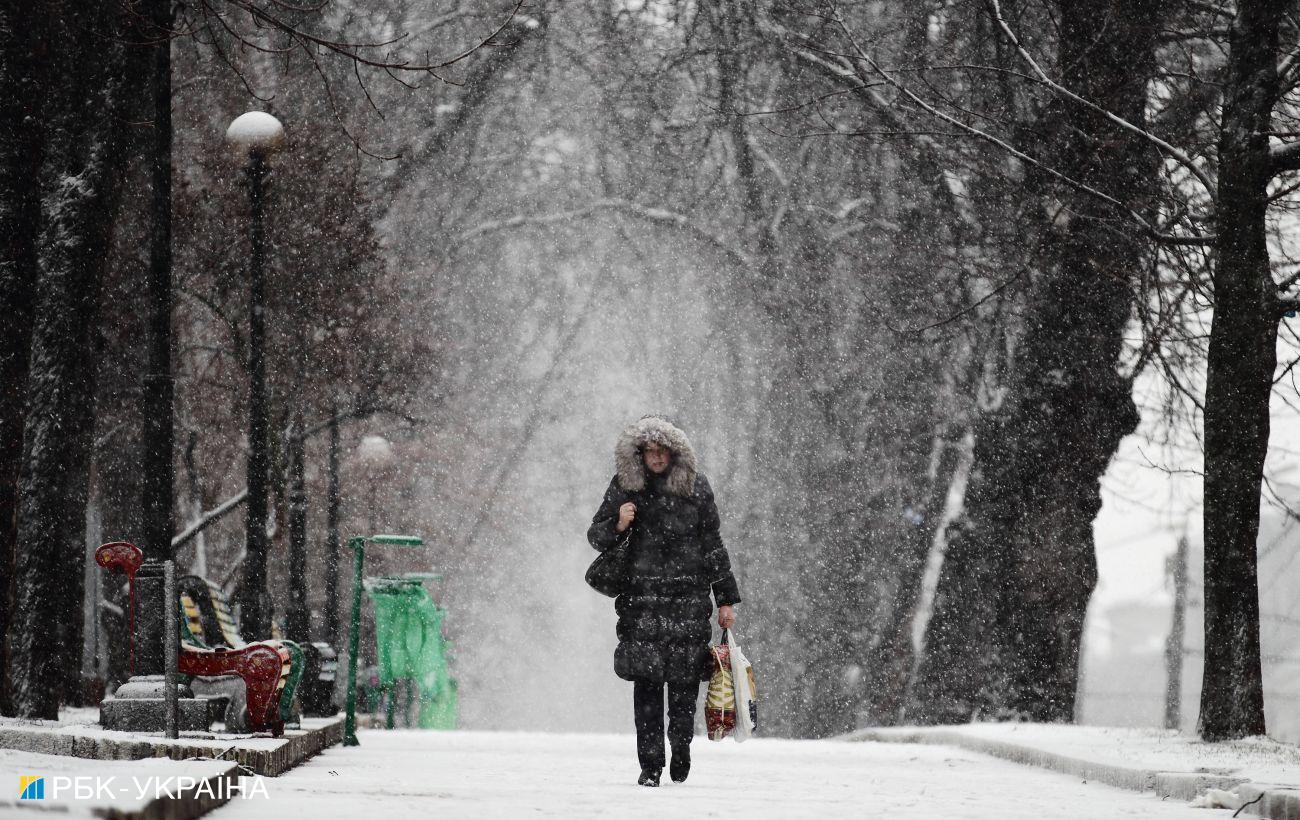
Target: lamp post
[[332, 535], [376, 455], [255, 136], [156, 398]]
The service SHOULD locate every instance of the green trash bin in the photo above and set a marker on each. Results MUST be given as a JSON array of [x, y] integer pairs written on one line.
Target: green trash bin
[[412, 650]]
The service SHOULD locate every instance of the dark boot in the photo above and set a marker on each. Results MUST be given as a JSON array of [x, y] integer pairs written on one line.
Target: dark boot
[[681, 765], [649, 777]]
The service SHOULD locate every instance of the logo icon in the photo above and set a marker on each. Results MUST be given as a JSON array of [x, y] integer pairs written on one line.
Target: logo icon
[[31, 787]]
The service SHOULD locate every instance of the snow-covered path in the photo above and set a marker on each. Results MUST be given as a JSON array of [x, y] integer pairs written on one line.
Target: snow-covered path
[[426, 775]]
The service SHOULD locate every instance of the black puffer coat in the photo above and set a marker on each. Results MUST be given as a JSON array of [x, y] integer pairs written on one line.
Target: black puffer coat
[[677, 558]]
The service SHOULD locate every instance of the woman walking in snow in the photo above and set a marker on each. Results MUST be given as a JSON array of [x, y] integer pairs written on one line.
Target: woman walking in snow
[[666, 510]]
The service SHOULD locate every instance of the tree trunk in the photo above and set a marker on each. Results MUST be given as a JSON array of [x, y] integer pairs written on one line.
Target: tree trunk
[[21, 41], [1174, 643], [1020, 567], [119, 423], [958, 675], [56, 450], [832, 579], [890, 661], [298, 614], [89, 97], [1239, 380]]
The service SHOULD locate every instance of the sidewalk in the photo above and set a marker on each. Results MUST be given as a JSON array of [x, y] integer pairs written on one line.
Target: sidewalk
[[1170, 764], [77, 733], [468, 775]]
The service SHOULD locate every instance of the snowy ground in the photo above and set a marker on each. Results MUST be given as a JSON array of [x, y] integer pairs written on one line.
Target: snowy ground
[[121, 785], [1257, 758], [83, 724], [402, 774]]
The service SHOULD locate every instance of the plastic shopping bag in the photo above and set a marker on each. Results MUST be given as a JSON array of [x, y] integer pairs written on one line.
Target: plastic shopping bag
[[742, 676], [731, 693]]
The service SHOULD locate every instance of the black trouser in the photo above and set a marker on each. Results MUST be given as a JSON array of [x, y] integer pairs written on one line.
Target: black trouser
[[648, 709]]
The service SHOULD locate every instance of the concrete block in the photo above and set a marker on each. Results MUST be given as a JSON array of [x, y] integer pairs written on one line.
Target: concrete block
[[139, 714]]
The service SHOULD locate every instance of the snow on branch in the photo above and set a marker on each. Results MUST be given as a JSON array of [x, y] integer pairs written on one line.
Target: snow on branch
[[359, 52], [659, 216], [210, 517], [844, 73], [1151, 230], [1183, 159], [283, 18], [478, 86], [1285, 157], [1288, 283], [361, 411]]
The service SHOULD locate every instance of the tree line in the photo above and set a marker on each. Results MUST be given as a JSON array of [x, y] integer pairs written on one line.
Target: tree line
[[124, 285], [952, 218], [960, 229]]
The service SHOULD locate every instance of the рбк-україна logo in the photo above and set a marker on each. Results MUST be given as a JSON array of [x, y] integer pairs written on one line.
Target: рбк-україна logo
[[31, 787]]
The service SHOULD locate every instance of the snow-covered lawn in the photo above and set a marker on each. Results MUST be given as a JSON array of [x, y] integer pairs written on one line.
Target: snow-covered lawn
[[426, 775], [1257, 758]]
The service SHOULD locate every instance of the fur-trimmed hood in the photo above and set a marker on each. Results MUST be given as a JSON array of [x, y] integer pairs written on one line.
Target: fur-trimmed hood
[[632, 470]]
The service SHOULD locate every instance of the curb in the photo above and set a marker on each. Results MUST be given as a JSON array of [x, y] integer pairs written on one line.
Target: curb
[[266, 762], [205, 795], [1276, 803]]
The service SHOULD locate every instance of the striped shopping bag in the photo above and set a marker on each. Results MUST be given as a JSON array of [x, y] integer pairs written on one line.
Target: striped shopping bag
[[722, 701]]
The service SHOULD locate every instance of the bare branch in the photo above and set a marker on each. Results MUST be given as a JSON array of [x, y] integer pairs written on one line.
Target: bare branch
[[1285, 157], [1151, 230], [997, 291], [210, 517], [478, 89], [1182, 158], [657, 215], [1288, 283]]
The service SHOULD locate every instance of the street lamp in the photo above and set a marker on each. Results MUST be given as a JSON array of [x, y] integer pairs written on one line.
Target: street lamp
[[255, 136], [376, 455], [375, 452]]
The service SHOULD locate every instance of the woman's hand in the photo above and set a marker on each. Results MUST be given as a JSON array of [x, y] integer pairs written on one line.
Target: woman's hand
[[626, 514], [726, 617]]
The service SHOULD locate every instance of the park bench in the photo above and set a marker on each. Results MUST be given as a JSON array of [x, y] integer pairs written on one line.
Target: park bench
[[265, 667], [213, 623], [225, 686]]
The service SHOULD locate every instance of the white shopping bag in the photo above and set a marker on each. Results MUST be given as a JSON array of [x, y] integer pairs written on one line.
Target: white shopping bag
[[742, 677]]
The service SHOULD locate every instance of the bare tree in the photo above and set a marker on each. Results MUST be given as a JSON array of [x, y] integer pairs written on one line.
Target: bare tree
[[1020, 565], [1241, 363]]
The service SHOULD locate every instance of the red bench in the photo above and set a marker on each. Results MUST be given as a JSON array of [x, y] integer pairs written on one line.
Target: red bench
[[264, 667]]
